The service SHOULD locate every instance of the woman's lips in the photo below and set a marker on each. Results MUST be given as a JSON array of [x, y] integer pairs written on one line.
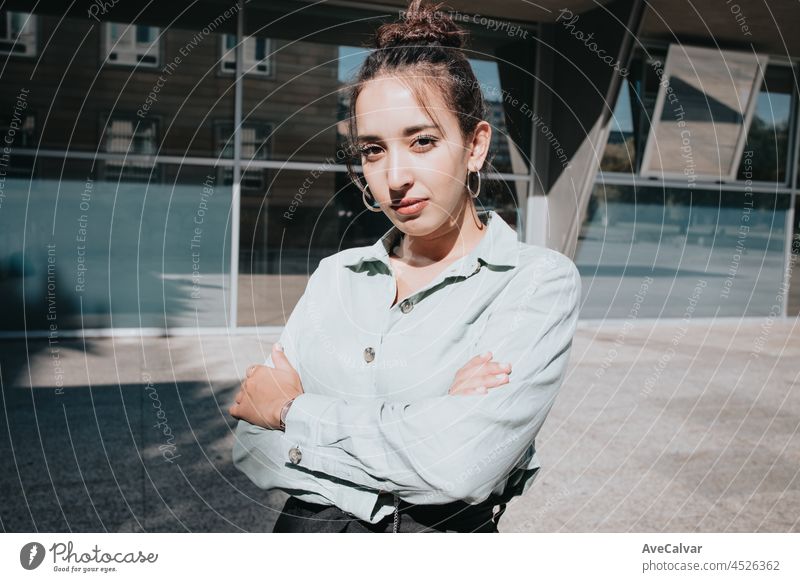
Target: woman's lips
[[411, 208]]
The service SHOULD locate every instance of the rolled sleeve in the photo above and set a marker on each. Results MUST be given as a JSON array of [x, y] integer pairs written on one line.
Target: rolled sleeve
[[447, 448], [262, 454]]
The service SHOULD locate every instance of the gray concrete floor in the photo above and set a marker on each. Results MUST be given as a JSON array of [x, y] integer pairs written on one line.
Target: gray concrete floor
[[642, 438]]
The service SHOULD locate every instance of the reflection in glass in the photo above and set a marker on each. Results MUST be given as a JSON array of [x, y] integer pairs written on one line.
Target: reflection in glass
[[98, 253], [620, 152], [699, 124], [793, 304], [183, 99], [131, 44], [256, 50], [255, 138], [768, 138], [17, 33], [506, 155], [765, 151], [732, 241], [129, 137], [306, 216]]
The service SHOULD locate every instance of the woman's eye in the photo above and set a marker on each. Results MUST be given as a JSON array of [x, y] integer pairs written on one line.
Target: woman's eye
[[425, 141], [369, 150]]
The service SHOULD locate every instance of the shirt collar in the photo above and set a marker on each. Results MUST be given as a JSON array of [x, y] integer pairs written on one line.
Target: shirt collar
[[498, 247]]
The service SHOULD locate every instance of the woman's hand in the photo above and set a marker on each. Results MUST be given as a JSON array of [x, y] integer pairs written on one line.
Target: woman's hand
[[479, 375], [265, 390]]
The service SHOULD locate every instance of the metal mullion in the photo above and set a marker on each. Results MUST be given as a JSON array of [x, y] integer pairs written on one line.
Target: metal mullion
[[624, 179], [794, 156], [138, 158], [236, 189]]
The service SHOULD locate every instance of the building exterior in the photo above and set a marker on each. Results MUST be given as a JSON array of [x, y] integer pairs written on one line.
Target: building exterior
[[179, 167]]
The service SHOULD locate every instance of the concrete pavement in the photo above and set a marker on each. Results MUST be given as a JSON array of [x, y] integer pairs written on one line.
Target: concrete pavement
[[658, 427]]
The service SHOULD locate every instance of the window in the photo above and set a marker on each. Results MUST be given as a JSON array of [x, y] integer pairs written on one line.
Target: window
[[703, 111], [23, 136], [131, 44], [255, 146], [256, 50], [767, 146], [130, 137], [17, 33]]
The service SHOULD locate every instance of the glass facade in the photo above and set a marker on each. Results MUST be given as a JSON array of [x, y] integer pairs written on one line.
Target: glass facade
[[123, 133], [116, 205], [650, 247], [83, 250], [658, 246]]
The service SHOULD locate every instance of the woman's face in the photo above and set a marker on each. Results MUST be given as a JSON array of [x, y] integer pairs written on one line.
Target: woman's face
[[405, 157]]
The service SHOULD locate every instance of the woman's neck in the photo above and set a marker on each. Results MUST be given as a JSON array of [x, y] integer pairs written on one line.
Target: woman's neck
[[453, 240]]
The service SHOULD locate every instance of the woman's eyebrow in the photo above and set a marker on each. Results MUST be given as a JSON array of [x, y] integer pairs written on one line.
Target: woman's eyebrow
[[406, 132]]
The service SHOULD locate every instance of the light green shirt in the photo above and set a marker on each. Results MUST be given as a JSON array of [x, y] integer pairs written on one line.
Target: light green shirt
[[376, 419]]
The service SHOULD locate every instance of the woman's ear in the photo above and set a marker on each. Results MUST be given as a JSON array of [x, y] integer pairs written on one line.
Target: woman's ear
[[478, 147]]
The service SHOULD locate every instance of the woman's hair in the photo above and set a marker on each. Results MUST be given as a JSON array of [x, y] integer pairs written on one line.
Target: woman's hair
[[424, 48]]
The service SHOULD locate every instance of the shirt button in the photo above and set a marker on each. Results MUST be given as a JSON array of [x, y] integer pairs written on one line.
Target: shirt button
[[406, 306], [369, 354], [295, 455]]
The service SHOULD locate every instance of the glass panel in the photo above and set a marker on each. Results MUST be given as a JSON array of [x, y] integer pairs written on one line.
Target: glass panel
[[663, 252], [768, 138], [793, 307], [286, 230], [304, 217], [632, 114], [260, 48], [502, 144], [17, 33], [305, 100], [702, 113], [146, 34], [184, 96], [765, 150], [100, 253], [131, 44], [620, 152], [257, 60]]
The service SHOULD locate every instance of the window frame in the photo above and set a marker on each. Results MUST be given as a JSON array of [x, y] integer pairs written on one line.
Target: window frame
[[32, 43], [118, 168], [227, 57], [128, 48], [224, 128]]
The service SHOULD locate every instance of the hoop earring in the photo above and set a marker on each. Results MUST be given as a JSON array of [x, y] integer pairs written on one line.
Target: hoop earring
[[471, 193], [369, 206]]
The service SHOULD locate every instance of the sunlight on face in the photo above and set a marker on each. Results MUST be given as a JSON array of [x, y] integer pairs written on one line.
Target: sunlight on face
[[405, 156]]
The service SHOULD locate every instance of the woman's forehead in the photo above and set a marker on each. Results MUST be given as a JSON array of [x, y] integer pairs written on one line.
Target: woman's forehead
[[387, 105]]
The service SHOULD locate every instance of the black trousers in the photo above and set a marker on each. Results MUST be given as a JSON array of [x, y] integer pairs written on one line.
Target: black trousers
[[299, 516]]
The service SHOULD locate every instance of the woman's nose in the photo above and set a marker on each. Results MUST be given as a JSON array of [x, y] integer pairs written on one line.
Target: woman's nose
[[399, 173]]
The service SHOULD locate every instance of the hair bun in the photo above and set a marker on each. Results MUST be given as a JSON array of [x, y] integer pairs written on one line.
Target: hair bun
[[419, 26]]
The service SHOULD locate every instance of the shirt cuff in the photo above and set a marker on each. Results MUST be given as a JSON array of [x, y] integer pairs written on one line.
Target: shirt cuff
[[303, 451], [301, 448]]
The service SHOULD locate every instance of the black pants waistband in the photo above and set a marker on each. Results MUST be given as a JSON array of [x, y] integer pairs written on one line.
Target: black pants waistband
[[454, 512], [302, 516]]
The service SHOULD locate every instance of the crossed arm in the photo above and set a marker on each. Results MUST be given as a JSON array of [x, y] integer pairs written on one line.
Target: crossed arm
[[439, 449]]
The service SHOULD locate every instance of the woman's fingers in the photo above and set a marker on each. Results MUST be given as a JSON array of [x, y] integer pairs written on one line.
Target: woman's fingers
[[480, 384], [475, 362], [489, 381], [479, 375], [486, 368]]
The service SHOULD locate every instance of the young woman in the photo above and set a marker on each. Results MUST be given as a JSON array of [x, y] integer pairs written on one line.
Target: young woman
[[413, 376]]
